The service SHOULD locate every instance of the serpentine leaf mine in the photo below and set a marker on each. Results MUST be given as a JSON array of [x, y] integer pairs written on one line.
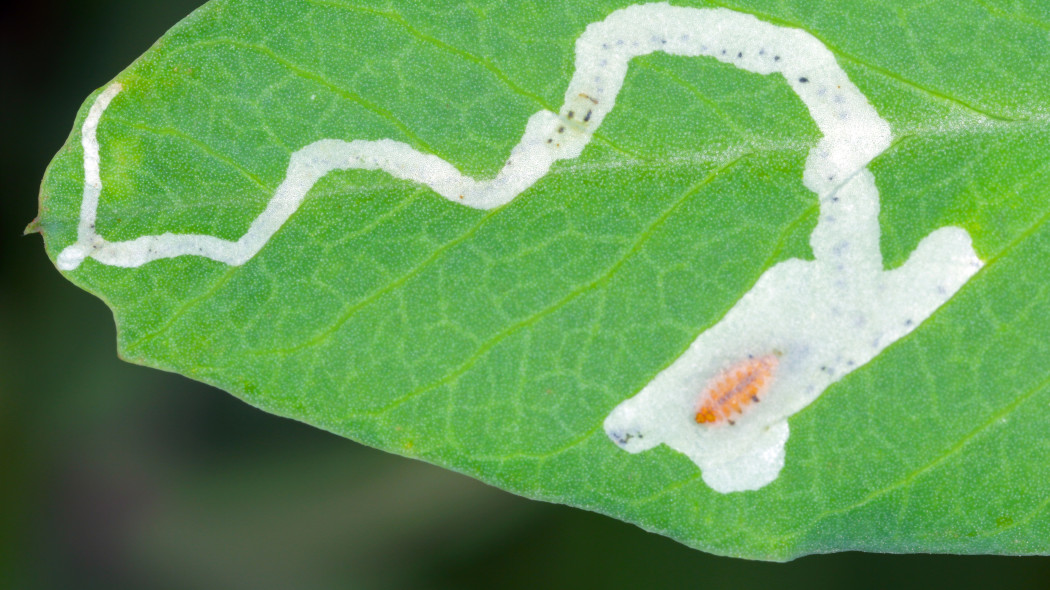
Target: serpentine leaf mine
[[803, 326]]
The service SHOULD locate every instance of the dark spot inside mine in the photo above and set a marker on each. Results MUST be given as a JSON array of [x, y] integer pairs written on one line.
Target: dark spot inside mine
[[561, 129], [776, 58], [550, 141], [740, 54], [723, 52], [587, 117], [803, 80], [571, 113]]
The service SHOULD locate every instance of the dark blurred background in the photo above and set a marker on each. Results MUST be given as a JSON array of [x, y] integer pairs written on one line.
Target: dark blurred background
[[117, 476]]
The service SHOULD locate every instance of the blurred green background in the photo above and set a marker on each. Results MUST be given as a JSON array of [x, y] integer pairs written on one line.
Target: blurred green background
[[117, 476]]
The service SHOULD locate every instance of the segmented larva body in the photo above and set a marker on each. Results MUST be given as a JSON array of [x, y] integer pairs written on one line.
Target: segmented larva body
[[734, 388]]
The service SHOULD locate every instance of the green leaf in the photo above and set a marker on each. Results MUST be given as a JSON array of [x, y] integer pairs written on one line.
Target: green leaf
[[497, 341]]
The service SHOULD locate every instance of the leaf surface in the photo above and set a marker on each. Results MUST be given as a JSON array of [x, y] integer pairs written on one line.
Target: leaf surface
[[496, 342]]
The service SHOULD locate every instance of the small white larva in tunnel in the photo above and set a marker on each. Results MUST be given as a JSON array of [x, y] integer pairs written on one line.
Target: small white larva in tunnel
[[804, 325]]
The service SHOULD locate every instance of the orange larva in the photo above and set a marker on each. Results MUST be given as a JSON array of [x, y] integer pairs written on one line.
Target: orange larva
[[734, 388]]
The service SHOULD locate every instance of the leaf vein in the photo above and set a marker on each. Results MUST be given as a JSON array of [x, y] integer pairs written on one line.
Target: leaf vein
[[589, 286], [937, 461]]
